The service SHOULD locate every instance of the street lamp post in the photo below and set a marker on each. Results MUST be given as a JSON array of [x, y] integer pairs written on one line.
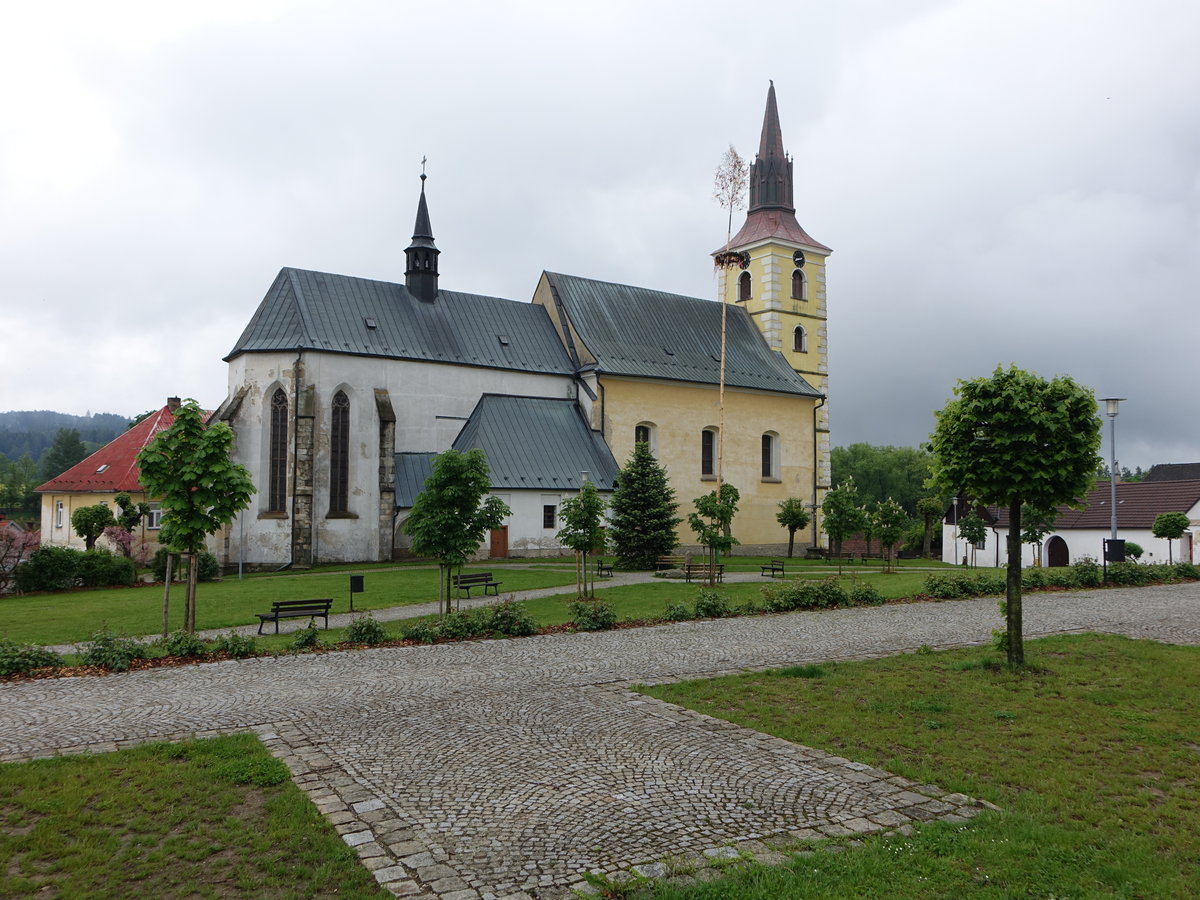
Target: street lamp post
[[1110, 408]]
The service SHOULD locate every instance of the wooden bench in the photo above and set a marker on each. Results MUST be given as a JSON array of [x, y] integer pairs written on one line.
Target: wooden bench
[[773, 568], [603, 569], [705, 571], [477, 579], [873, 557], [670, 562], [295, 609]]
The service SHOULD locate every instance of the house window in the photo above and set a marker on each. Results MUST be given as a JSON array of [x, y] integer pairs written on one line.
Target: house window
[[644, 433], [58, 514], [154, 520], [799, 339], [744, 287], [339, 454], [799, 285], [708, 453], [277, 462], [770, 456], [549, 515]]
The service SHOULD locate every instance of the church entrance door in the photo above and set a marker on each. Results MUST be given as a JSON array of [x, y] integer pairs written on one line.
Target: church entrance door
[[499, 544]]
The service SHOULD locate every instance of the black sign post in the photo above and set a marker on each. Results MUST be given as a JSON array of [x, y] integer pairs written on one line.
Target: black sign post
[[356, 587], [1114, 551]]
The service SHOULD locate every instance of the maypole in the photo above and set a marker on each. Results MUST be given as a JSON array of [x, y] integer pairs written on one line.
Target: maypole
[[729, 189]]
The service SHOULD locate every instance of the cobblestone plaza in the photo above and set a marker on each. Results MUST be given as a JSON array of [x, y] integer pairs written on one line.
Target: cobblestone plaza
[[509, 768]]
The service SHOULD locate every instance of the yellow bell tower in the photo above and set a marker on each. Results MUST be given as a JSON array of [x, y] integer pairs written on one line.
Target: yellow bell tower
[[779, 275]]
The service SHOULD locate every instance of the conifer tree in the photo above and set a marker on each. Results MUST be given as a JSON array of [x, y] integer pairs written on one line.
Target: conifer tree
[[66, 451], [643, 508]]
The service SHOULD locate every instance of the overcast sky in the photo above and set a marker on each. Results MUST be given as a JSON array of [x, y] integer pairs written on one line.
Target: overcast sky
[[1001, 180]]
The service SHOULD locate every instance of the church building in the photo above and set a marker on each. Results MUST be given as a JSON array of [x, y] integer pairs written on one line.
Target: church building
[[343, 389]]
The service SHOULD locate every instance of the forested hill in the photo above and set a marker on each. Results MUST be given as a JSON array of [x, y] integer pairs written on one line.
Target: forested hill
[[33, 431]]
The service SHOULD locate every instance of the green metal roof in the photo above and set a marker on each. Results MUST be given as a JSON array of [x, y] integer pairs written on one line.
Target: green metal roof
[[652, 334]]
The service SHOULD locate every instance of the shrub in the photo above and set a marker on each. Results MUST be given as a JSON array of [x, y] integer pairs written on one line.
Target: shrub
[[1087, 572], [183, 643], [1186, 570], [1062, 577], [422, 631], [1133, 551], [235, 646], [49, 569], [111, 651], [947, 586], [307, 638], [511, 618], [865, 595], [1130, 574], [712, 605], [749, 608], [1034, 577], [593, 615], [985, 583], [826, 594], [781, 597], [463, 623], [100, 568], [678, 612], [19, 658], [365, 630], [208, 568]]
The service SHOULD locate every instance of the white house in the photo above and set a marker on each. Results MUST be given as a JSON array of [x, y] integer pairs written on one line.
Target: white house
[[1082, 532]]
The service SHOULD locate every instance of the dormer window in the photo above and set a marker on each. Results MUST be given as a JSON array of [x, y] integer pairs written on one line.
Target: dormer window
[[102, 468], [503, 339], [371, 323]]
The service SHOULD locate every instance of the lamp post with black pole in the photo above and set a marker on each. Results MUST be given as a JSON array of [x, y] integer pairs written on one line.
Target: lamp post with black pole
[[1111, 408]]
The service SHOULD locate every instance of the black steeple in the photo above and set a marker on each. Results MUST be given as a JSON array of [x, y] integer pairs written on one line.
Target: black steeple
[[421, 269], [771, 171]]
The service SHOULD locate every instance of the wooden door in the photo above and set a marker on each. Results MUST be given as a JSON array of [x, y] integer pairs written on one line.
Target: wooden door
[[499, 543]]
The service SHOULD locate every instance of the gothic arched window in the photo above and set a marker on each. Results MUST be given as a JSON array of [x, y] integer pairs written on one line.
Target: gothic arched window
[[799, 339], [339, 454], [277, 460], [799, 285], [743, 287]]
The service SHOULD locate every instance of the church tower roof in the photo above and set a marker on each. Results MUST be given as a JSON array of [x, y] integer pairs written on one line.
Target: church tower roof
[[772, 212], [421, 257]]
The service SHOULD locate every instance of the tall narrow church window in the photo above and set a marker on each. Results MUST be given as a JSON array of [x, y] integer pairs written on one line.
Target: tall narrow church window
[[277, 464], [708, 452], [799, 285], [744, 287], [770, 456], [644, 433], [339, 454], [799, 339]]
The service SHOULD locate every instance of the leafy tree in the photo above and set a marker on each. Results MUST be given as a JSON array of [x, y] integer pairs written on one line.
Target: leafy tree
[[882, 472], [15, 546], [842, 515], [17, 482], [89, 523], [929, 509], [200, 489], [792, 515], [1035, 525], [643, 516], [711, 521], [973, 530], [129, 514], [583, 530], [1133, 551], [889, 521], [452, 514], [1170, 525], [1019, 440], [66, 451]]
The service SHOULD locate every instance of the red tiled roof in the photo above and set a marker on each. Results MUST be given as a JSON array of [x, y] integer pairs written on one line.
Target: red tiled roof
[[772, 223], [1138, 503], [113, 467]]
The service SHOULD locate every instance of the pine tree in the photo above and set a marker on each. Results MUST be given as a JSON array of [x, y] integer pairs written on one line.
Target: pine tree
[[643, 508], [66, 451]]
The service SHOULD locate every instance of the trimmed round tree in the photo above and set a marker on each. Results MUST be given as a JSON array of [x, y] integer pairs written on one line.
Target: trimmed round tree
[[793, 515], [1015, 439], [1170, 525], [642, 512]]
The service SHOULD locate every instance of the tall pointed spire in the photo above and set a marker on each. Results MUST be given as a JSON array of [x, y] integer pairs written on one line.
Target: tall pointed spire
[[421, 269], [772, 212], [771, 171]]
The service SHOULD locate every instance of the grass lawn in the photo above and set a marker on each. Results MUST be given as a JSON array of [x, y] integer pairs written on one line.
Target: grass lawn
[[1093, 755], [65, 618], [210, 818]]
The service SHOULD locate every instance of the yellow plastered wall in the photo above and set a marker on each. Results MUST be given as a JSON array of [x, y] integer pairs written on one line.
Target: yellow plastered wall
[[678, 414], [64, 535]]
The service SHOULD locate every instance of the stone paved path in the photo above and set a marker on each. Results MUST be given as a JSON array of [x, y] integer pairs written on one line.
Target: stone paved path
[[508, 768]]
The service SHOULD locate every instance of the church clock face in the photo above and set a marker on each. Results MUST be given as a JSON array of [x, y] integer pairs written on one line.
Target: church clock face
[[798, 258]]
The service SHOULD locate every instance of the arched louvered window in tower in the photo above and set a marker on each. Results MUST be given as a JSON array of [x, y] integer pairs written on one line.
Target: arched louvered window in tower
[[799, 339], [339, 454], [744, 287], [799, 285], [277, 463]]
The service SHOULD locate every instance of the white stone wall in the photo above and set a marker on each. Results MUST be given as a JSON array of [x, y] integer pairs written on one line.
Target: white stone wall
[[431, 402]]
